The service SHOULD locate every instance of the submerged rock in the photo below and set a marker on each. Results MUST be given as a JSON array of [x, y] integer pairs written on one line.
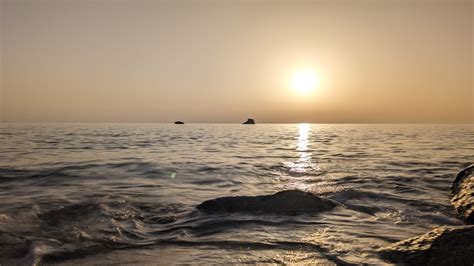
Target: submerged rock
[[179, 123], [249, 121], [463, 194], [288, 201], [447, 245]]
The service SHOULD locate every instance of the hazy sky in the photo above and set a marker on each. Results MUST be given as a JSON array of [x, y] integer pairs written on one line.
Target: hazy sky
[[224, 61]]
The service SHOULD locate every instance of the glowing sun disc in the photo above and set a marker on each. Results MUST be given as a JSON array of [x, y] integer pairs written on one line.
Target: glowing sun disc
[[305, 81]]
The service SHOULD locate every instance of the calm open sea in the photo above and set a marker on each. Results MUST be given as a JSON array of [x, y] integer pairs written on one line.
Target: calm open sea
[[126, 193]]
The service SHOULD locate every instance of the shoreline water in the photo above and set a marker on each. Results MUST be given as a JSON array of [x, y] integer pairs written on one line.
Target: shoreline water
[[128, 192]]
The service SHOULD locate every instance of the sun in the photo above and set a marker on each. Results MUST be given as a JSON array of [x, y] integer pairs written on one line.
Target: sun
[[305, 81]]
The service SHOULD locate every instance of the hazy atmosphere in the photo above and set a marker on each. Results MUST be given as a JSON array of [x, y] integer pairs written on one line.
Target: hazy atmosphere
[[224, 61], [223, 132]]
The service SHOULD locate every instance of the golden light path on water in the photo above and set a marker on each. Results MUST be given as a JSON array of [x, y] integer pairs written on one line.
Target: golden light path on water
[[304, 161], [303, 170], [306, 171]]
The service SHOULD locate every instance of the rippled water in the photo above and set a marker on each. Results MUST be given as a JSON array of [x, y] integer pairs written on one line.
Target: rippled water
[[128, 193]]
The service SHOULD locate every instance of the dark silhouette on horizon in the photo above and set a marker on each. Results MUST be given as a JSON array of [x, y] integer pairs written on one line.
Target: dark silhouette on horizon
[[179, 123], [249, 121]]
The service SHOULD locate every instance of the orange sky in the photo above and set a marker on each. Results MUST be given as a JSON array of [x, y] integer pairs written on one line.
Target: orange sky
[[223, 61]]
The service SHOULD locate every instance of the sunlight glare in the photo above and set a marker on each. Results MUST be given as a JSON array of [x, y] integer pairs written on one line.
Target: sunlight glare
[[305, 81]]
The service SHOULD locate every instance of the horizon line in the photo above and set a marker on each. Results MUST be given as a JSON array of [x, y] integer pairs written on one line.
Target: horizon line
[[240, 123]]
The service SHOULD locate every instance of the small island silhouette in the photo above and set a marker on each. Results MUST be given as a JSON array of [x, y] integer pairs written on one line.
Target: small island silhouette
[[249, 121]]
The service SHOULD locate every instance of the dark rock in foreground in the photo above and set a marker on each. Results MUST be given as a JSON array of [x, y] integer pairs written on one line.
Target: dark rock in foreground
[[179, 123], [284, 202], [463, 194], [249, 121], [447, 245]]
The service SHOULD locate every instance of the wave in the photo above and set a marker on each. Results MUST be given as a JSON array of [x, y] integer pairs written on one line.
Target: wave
[[83, 170], [86, 228], [50, 251]]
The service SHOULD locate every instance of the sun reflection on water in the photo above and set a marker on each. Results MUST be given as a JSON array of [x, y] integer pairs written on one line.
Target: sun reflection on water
[[304, 161], [303, 137], [303, 173]]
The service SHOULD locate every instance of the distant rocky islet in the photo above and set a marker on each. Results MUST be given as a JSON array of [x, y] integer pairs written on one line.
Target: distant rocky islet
[[250, 121]]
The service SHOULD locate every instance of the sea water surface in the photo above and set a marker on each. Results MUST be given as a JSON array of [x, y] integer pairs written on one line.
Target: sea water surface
[[127, 193]]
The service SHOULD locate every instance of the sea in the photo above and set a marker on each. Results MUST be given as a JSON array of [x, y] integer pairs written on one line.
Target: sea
[[127, 193]]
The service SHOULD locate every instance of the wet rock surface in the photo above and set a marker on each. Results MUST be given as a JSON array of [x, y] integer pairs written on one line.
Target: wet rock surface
[[287, 202], [463, 194], [447, 245]]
